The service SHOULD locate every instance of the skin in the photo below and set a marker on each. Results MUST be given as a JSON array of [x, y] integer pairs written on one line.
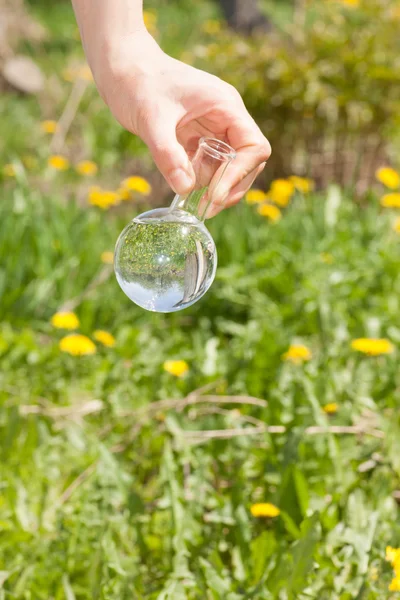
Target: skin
[[167, 103]]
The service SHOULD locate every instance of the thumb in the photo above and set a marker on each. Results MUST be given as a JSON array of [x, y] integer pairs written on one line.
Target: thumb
[[159, 133]]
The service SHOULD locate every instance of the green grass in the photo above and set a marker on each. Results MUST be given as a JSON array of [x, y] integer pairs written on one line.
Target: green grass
[[159, 516], [105, 494]]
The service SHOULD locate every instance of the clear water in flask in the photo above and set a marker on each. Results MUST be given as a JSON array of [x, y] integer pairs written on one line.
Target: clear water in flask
[[165, 260]]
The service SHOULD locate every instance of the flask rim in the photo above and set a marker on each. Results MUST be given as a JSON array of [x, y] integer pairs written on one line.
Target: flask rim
[[217, 149]]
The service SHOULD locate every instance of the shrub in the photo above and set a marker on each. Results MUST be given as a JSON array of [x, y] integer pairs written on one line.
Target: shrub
[[326, 91]]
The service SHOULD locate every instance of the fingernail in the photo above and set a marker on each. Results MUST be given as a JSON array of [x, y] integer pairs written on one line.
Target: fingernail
[[180, 181]]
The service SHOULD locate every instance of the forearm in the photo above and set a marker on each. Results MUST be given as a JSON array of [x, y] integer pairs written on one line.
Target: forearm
[[105, 25]]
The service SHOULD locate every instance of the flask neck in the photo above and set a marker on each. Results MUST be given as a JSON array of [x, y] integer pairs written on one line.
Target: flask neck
[[209, 164]]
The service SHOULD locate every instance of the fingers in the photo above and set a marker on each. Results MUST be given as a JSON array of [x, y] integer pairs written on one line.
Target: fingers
[[253, 150], [236, 194], [158, 131]]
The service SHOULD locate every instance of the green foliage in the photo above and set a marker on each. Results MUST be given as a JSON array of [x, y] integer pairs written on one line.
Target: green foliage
[[105, 494], [150, 514], [325, 90]]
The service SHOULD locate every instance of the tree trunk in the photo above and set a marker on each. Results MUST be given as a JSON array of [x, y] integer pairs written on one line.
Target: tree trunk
[[244, 16]]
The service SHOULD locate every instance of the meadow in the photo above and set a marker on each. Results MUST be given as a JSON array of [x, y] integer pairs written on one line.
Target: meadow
[[245, 448]]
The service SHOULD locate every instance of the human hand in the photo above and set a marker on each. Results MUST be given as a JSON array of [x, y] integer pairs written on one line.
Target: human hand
[[171, 105]]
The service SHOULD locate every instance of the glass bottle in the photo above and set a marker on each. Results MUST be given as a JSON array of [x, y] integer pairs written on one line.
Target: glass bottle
[[165, 259]]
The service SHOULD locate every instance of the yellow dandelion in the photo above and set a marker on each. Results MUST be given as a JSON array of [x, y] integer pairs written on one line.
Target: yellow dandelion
[[269, 211], [211, 26], [255, 196], [9, 170], [395, 585], [265, 509], [297, 354], [302, 184], [104, 338], [104, 199], [391, 200], [48, 126], [86, 167], [327, 258], [281, 191], [391, 554], [389, 177], [65, 320], [107, 257], [372, 346], [351, 3], [58, 162], [77, 344], [178, 368], [137, 184], [123, 193], [396, 564], [331, 408]]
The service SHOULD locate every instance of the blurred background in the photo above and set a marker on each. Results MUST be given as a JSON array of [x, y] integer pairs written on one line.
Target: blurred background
[[247, 447]]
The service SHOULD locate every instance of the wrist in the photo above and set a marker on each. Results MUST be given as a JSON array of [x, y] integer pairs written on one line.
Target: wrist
[[117, 57]]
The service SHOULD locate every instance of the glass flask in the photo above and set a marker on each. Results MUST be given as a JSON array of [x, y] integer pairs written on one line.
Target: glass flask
[[165, 259]]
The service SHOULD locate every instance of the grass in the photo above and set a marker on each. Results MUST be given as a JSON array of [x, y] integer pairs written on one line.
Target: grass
[[106, 494]]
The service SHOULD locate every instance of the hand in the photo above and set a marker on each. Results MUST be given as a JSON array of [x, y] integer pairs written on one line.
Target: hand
[[170, 105]]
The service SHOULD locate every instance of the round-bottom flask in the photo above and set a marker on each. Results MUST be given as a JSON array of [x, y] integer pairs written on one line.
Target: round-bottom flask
[[165, 259]]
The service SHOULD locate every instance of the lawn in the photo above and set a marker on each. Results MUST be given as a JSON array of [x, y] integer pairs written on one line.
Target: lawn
[[137, 469]]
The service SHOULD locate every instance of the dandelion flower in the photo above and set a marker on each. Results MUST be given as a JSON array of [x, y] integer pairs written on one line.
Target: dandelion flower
[[178, 368], [103, 198], [104, 338], [352, 3], [391, 200], [302, 184], [48, 126], [9, 170], [137, 184], [395, 585], [107, 257], [331, 408], [77, 344], [372, 346], [123, 193], [58, 162], [391, 554], [389, 177], [269, 211], [255, 196], [297, 354], [265, 509], [65, 320], [281, 191], [86, 167]]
